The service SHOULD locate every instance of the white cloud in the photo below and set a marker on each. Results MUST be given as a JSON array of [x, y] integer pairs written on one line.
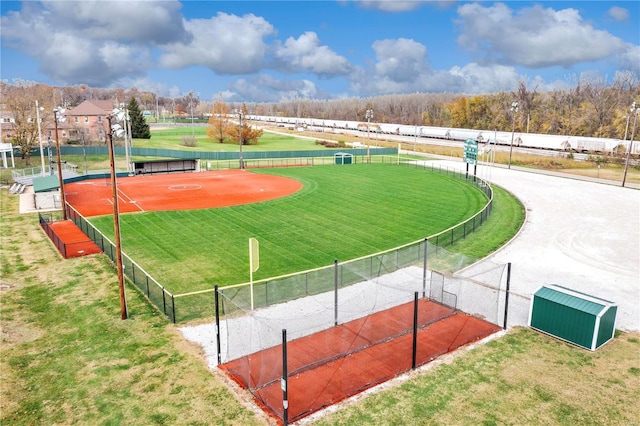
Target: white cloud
[[391, 5], [307, 54], [266, 88], [534, 37], [618, 13], [400, 60], [157, 22], [92, 42], [401, 67], [630, 58], [227, 44]]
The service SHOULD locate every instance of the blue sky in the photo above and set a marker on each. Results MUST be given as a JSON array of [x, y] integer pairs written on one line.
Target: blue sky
[[267, 51]]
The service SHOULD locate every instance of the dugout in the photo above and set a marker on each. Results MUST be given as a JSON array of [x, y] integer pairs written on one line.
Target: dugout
[[166, 166], [575, 317], [343, 158]]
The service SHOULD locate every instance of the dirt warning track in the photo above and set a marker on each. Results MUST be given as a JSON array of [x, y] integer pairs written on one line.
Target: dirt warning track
[[183, 191]]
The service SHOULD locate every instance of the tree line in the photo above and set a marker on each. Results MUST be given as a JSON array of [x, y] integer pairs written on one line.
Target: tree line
[[590, 105]]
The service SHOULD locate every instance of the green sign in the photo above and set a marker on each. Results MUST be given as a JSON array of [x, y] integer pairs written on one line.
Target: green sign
[[470, 152]]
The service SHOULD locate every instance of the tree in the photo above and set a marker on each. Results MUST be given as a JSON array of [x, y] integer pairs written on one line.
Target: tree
[[459, 113], [139, 127], [218, 122], [250, 135], [24, 134]]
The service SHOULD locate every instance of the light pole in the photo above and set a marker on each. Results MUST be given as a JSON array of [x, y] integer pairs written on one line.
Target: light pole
[[60, 118], [38, 109], [240, 114], [514, 111], [633, 110], [368, 115], [119, 132]]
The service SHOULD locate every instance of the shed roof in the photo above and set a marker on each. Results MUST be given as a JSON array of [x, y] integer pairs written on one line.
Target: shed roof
[[46, 183], [573, 299]]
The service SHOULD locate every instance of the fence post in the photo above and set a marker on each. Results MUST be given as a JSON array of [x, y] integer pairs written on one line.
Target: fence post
[[173, 308], [424, 269], [217, 325], [164, 302], [285, 380], [335, 283], [506, 296], [415, 331]]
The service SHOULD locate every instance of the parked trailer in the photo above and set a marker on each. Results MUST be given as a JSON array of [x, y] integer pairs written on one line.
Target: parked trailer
[[528, 140], [434, 132]]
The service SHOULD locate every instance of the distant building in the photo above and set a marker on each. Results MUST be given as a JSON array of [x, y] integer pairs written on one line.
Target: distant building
[[88, 121]]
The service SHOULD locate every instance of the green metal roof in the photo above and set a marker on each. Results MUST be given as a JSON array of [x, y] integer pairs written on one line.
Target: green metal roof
[[47, 183], [571, 299]]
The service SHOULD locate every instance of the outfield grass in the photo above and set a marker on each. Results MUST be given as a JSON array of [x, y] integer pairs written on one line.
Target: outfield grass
[[341, 213]]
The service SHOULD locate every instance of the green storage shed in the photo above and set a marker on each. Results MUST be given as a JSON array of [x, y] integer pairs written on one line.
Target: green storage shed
[[575, 317], [343, 158]]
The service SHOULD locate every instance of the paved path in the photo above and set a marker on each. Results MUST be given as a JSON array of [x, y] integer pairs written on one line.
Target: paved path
[[579, 234]]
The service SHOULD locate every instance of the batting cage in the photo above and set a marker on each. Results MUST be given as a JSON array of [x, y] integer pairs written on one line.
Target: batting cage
[[316, 338]]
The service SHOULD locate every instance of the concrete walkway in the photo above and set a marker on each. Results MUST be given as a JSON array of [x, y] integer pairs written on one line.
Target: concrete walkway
[[580, 234]]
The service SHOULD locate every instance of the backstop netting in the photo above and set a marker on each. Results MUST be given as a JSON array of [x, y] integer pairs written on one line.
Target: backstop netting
[[353, 325]]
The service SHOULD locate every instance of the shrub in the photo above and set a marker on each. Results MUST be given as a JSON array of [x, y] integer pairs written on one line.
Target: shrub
[[189, 141]]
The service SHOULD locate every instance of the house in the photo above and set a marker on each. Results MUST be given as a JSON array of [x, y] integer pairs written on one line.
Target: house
[[7, 125], [88, 121]]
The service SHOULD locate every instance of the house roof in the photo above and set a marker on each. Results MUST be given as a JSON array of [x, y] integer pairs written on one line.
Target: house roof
[[91, 108]]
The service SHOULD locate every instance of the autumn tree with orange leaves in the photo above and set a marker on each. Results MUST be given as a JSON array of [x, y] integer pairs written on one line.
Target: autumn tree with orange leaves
[[225, 126]]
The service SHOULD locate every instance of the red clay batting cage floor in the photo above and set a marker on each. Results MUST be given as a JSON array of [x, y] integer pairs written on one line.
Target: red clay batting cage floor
[[71, 241], [332, 365]]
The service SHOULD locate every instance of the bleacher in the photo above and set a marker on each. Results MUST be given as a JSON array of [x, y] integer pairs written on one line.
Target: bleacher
[[26, 176], [17, 188]]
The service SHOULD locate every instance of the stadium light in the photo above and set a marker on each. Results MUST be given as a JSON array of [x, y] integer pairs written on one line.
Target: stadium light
[[514, 110], [117, 130], [122, 116], [368, 115], [633, 110], [58, 115], [38, 109], [240, 114]]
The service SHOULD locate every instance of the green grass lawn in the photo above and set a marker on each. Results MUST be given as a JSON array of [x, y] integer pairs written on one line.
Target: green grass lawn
[[341, 213], [67, 358], [171, 139]]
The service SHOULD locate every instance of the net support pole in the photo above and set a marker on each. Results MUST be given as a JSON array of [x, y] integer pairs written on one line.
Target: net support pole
[[285, 380], [335, 291], [424, 269], [414, 351], [218, 349], [506, 296]]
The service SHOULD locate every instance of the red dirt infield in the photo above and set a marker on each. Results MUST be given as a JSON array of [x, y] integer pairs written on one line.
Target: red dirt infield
[[332, 365], [179, 191]]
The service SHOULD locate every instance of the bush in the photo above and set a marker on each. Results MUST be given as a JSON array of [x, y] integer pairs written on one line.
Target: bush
[[189, 141], [331, 144]]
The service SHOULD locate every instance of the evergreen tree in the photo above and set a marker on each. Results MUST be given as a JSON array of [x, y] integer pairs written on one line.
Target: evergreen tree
[[139, 126]]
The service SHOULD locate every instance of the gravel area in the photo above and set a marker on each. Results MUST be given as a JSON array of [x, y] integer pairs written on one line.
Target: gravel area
[[580, 234]]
